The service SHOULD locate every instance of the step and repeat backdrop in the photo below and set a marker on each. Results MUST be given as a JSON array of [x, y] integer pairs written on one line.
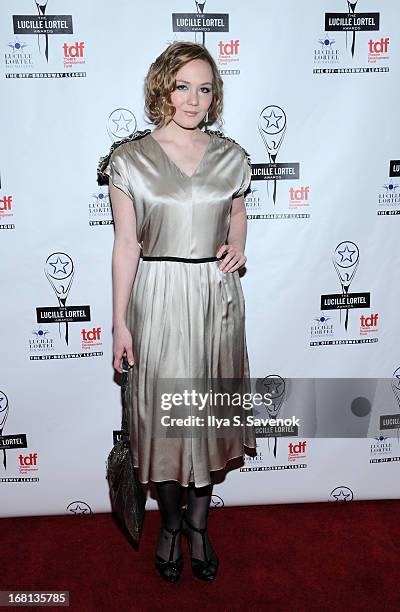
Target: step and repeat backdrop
[[311, 92]]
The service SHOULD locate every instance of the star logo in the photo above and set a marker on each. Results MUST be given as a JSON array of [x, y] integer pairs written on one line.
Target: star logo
[[122, 124], [272, 120], [59, 266], [346, 254], [343, 494]]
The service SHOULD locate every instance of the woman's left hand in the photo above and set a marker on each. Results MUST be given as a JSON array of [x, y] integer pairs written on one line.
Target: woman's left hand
[[233, 260]]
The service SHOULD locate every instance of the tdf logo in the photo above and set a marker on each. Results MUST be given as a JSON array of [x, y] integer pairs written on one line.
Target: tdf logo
[[90, 335], [73, 51], [5, 203], [369, 323], [378, 46], [28, 460], [228, 48]]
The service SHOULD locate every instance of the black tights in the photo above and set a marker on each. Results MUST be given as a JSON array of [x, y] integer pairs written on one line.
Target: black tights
[[170, 494]]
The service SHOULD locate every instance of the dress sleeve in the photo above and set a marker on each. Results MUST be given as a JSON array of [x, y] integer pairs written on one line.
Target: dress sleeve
[[245, 175], [114, 167]]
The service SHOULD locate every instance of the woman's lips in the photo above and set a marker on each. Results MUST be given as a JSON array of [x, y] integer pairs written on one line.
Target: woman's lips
[[191, 113]]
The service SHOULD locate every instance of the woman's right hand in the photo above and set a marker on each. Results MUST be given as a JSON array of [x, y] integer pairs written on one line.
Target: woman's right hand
[[122, 346]]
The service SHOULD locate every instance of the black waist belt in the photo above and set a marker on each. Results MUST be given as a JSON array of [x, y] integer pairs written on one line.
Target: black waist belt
[[167, 258]]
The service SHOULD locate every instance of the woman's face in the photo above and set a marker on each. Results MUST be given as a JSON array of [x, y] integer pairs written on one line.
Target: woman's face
[[192, 96]]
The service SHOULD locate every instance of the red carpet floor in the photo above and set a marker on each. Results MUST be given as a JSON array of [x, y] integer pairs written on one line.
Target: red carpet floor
[[323, 556]]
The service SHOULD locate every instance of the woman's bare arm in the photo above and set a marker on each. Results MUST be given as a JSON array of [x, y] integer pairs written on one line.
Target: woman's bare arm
[[238, 226], [125, 259], [235, 257]]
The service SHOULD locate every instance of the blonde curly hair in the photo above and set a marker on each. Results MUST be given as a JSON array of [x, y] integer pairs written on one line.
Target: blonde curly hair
[[160, 82]]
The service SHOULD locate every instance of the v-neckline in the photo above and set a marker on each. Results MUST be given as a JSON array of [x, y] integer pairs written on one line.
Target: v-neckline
[[171, 161]]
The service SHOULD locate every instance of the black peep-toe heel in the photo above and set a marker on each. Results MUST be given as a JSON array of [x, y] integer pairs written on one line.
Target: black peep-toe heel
[[170, 570], [207, 569]]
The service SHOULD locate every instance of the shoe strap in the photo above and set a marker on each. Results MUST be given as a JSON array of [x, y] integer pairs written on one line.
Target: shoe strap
[[174, 533], [202, 532]]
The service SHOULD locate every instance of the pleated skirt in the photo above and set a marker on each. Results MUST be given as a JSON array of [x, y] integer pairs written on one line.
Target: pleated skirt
[[187, 322]]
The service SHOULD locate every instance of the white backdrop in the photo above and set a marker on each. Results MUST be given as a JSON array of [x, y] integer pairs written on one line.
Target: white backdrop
[[316, 106]]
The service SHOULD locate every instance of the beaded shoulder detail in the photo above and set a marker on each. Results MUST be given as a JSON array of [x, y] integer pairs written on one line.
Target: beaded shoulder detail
[[222, 135], [105, 160]]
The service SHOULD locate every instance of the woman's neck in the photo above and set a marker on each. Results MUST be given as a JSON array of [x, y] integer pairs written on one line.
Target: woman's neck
[[173, 131]]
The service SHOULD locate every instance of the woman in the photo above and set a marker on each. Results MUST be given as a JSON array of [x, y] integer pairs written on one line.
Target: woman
[[178, 307]]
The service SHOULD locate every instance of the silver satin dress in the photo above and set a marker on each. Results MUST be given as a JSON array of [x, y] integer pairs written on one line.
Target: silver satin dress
[[187, 320]]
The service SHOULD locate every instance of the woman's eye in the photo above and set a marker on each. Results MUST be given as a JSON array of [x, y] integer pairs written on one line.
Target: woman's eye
[[183, 87]]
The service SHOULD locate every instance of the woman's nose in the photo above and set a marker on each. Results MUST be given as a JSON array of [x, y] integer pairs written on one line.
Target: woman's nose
[[193, 98]]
